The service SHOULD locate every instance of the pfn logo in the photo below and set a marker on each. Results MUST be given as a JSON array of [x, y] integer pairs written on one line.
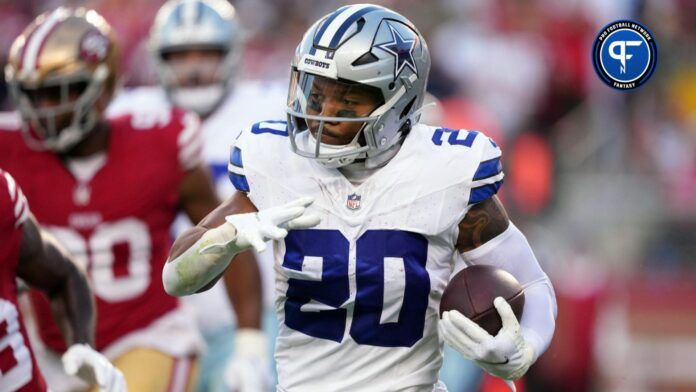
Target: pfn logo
[[624, 54], [621, 55]]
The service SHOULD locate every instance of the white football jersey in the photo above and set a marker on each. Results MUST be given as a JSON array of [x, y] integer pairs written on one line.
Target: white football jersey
[[248, 102], [357, 297]]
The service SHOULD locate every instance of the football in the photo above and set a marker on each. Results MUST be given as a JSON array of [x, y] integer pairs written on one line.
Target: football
[[472, 291]]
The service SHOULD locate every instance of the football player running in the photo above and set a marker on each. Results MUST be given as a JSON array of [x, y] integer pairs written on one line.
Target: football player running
[[197, 46], [109, 189], [33, 255], [367, 211]]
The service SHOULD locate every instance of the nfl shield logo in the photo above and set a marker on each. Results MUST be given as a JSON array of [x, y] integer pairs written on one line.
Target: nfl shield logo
[[353, 202]]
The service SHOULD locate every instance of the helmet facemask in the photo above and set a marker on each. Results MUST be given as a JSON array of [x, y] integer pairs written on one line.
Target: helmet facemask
[[200, 29], [46, 127], [328, 119], [200, 97], [368, 46]]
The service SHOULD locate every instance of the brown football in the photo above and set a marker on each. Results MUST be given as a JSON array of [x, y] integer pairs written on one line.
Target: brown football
[[472, 291]]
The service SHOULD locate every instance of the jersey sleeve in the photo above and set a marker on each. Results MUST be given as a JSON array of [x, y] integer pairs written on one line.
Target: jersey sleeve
[[189, 139], [14, 209], [488, 177], [235, 167], [251, 143]]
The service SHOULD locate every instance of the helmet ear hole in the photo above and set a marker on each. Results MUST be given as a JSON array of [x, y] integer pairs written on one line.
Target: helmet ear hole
[[407, 108], [366, 58]]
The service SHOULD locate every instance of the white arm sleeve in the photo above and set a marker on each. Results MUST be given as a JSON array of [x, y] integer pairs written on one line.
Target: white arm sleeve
[[201, 263], [511, 252]]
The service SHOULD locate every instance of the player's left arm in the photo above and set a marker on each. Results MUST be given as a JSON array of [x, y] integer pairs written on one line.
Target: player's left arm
[[487, 236], [44, 264], [243, 278]]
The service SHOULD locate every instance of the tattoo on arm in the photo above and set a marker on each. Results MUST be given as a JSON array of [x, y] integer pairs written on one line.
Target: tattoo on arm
[[483, 222]]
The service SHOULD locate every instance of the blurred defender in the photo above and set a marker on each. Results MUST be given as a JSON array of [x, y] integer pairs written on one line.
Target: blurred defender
[[197, 46], [368, 211], [28, 253], [108, 189]]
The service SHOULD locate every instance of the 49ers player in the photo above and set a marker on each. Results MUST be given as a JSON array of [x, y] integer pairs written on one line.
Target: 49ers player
[[34, 256], [108, 189]]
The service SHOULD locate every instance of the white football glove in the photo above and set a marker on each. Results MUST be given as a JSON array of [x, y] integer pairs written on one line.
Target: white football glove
[[247, 370], [83, 361], [254, 229], [506, 355]]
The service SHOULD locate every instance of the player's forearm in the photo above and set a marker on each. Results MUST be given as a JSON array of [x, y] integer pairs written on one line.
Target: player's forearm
[[79, 309], [198, 257], [511, 252], [76, 305], [243, 285], [539, 315]]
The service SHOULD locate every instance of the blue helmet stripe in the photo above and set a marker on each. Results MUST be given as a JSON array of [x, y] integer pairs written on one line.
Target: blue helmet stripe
[[324, 26], [342, 30], [199, 12], [177, 15]]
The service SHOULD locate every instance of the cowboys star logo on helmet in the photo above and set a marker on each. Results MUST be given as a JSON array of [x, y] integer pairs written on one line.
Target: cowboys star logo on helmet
[[363, 49], [402, 49]]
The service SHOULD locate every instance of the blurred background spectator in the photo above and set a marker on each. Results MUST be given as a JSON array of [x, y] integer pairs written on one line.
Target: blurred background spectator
[[602, 181]]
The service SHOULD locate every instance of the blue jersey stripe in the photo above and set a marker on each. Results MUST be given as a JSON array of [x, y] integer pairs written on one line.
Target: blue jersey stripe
[[351, 19], [236, 157], [484, 192], [240, 182], [488, 169], [218, 169], [257, 130], [324, 26]]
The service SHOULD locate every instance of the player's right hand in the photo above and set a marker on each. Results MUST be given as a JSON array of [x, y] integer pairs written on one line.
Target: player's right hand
[[83, 361], [506, 355], [254, 229]]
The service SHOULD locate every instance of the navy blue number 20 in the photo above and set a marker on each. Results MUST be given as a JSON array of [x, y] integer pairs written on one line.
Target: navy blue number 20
[[331, 290]]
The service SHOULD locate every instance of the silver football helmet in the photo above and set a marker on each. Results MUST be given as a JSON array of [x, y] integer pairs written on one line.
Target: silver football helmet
[[364, 46], [183, 25]]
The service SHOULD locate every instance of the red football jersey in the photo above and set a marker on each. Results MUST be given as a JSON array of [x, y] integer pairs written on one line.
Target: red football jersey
[[118, 222], [18, 369]]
